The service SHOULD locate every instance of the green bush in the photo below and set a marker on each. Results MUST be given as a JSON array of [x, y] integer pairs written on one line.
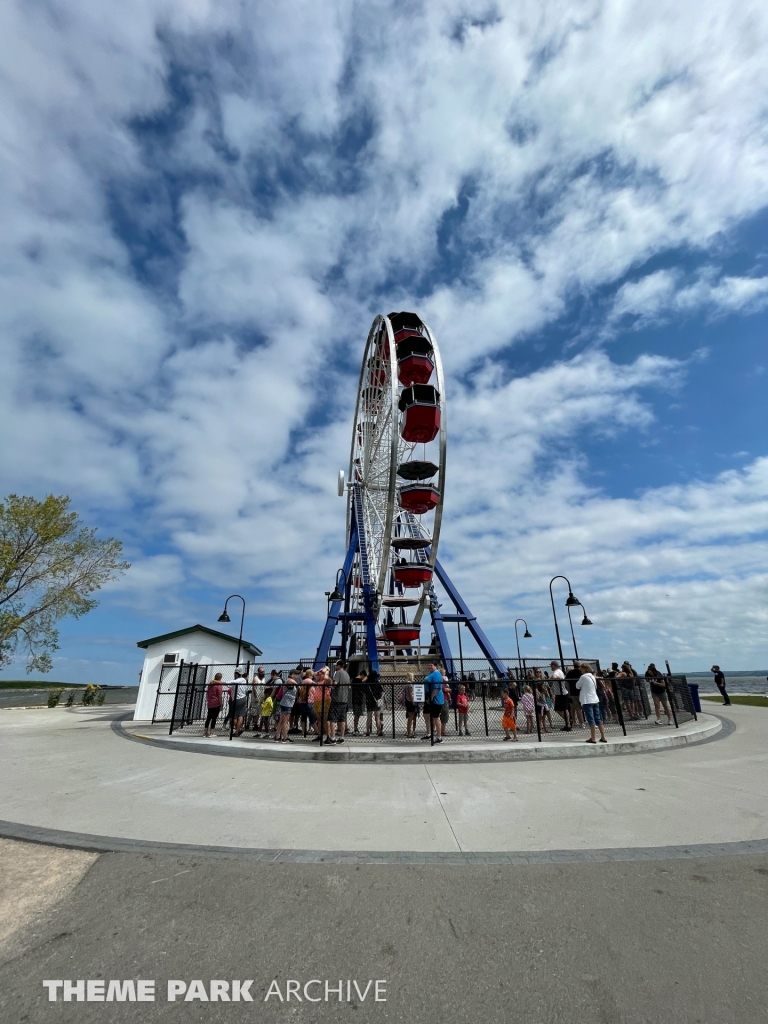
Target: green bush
[[54, 697], [70, 699], [100, 697]]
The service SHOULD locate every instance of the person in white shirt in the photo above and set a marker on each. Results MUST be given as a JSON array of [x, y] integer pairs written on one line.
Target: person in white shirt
[[562, 695], [586, 684]]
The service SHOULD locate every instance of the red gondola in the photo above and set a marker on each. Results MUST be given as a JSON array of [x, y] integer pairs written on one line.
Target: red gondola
[[412, 574], [420, 405], [402, 634], [415, 362], [406, 325], [407, 334], [419, 498]]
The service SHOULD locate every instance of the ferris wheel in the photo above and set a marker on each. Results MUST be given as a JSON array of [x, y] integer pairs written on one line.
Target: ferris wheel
[[395, 486]]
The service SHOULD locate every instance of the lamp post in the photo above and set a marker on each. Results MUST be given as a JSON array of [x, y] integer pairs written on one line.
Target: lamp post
[[570, 603], [526, 635], [337, 594], [585, 622], [225, 618]]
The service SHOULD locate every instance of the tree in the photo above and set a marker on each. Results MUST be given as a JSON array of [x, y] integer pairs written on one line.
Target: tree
[[49, 565]]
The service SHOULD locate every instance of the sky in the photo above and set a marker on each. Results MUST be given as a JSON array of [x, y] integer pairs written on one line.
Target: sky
[[204, 206]]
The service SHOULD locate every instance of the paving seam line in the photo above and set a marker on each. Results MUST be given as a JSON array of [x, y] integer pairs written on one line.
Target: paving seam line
[[722, 728], [115, 844]]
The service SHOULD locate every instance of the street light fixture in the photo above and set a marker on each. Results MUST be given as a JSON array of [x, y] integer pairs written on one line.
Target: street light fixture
[[571, 602], [586, 621], [526, 636], [337, 594], [224, 617]]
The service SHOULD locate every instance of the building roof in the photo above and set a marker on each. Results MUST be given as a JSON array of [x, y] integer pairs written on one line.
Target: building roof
[[248, 647]]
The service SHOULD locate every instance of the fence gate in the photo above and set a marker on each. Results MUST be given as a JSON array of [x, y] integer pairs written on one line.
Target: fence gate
[[190, 695]]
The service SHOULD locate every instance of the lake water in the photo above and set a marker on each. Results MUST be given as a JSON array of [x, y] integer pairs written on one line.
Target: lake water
[[735, 682], [33, 698]]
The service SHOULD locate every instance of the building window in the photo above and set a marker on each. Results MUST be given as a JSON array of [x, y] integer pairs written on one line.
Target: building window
[[170, 659]]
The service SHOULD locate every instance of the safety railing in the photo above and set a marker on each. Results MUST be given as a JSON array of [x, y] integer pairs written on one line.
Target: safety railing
[[397, 708]]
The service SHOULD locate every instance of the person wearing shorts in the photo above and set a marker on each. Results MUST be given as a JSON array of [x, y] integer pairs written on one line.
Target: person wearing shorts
[[462, 706], [435, 699], [287, 700], [445, 710], [337, 713], [337, 718], [306, 710], [239, 691], [586, 684], [658, 693]]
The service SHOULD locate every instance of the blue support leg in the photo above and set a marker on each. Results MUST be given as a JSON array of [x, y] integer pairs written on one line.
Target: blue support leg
[[334, 612], [370, 631], [473, 625], [442, 640]]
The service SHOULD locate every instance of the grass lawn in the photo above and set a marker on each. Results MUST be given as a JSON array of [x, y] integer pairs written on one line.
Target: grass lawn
[[757, 702], [38, 684]]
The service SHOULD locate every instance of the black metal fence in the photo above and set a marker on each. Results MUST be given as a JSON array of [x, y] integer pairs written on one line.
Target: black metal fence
[[394, 708]]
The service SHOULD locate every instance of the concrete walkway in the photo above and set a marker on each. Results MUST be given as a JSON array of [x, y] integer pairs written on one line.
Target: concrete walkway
[[71, 770], [414, 751]]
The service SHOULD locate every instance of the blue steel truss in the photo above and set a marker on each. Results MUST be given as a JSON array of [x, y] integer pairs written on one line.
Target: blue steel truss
[[357, 542], [462, 614]]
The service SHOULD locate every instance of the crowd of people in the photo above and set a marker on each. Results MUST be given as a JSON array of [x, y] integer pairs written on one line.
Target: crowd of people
[[320, 703]]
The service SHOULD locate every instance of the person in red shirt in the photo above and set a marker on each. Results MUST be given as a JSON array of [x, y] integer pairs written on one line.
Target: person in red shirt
[[462, 706], [213, 700]]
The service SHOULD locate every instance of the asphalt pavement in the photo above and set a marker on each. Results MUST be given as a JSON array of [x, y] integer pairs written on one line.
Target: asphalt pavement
[[678, 942]]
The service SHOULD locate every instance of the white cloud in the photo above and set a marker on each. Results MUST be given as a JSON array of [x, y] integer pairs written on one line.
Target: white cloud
[[569, 143], [666, 293]]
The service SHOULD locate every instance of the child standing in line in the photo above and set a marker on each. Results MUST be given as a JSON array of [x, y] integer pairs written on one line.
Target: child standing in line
[[287, 700], [541, 707], [508, 721], [267, 707], [550, 702], [529, 707], [462, 706]]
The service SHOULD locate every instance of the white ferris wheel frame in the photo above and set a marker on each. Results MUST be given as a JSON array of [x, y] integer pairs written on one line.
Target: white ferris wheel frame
[[377, 442]]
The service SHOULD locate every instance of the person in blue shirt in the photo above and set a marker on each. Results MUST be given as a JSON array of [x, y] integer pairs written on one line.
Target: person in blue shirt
[[434, 700]]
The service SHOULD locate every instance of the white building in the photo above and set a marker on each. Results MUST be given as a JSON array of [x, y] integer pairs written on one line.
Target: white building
[[195, 645]]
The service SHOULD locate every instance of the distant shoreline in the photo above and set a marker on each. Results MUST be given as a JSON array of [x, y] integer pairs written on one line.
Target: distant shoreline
[[42, 684]]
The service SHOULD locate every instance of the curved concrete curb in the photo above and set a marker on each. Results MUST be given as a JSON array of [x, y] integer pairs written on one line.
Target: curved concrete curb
[[705, 728], [115, 844]]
